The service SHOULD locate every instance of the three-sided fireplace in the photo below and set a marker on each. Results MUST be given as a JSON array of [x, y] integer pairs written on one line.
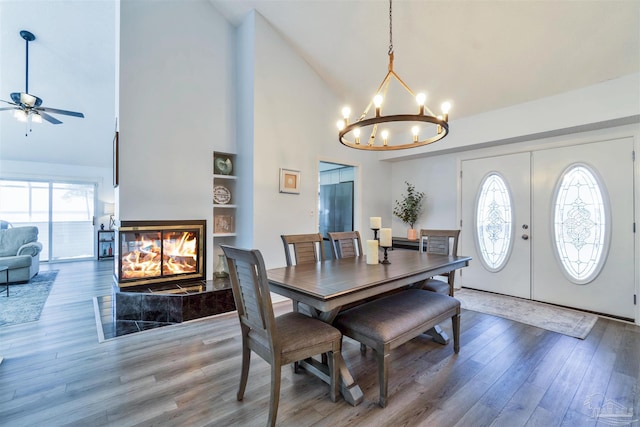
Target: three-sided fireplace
[[159, 252]]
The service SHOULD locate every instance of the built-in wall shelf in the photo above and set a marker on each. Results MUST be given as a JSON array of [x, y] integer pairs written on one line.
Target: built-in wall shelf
[[224, 196]]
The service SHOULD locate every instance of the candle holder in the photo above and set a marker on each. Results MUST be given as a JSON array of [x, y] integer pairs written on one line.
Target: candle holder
[[385, 260], [375, 233]]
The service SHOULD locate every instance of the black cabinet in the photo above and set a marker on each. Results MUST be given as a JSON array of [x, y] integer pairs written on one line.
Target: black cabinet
[[105, 244]]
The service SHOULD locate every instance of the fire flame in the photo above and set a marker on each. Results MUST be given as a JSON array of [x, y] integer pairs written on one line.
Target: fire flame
[[148, 259]]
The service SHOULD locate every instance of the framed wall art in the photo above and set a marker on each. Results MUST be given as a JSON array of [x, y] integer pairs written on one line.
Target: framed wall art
[[223, 224], [289, 181]]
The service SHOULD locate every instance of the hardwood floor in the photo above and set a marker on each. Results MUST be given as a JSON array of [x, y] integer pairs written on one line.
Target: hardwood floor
[[55, 373]]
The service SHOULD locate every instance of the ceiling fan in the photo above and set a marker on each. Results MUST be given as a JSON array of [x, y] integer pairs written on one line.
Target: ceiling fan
[[27, 107]]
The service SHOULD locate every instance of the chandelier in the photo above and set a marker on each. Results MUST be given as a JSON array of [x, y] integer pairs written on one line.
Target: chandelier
[[393, 131]]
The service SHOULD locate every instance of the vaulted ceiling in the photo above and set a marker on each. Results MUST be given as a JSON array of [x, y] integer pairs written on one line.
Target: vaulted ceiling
[[481, 55], [71, 67]]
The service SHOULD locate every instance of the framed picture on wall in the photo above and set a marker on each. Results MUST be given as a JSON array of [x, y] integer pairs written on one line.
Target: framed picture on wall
[[116, 160], [223, 224], [289, 181]]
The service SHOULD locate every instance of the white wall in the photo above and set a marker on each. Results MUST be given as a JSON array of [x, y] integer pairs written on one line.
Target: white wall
[[183, 69], [294, 115], [177, 105], [438, 176], [562, 119], [606, 104]]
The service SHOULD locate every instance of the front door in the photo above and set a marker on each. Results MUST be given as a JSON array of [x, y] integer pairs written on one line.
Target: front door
[[496, 234], [553, 225], [583, 253]]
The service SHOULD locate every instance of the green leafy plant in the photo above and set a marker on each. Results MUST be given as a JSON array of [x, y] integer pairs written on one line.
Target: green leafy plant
[[409, 208]]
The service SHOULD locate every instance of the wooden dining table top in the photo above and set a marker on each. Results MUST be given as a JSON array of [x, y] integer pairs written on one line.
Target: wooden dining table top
[[328, 285]]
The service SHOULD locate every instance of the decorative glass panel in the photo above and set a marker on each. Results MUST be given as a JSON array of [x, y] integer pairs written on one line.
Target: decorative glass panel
[[580, 224], [494, 222]]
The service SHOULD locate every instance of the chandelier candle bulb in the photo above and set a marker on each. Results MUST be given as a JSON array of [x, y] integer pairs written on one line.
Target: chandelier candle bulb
[[446, 106], [377, 101], [385, 136], [372, 252], [421, 98], [385, 237], [346, 112], [356, 134], [415, 131]]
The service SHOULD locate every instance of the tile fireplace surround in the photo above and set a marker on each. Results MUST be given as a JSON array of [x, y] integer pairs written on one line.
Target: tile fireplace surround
[[174, 303]]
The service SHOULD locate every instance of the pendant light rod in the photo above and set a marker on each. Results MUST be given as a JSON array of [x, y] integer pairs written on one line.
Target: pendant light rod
[[28, 37]]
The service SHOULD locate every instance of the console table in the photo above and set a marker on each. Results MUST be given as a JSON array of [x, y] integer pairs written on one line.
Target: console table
[[404, 243]]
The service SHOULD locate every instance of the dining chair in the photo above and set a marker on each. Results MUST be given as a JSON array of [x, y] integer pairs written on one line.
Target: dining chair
[[345, 244], [306, 248], [278, 340], [444, 242]]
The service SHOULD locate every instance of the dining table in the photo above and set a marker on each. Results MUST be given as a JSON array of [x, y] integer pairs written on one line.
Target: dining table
[[325, 287]]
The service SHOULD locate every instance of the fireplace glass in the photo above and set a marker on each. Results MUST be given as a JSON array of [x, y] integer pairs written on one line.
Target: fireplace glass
[[159, 252]]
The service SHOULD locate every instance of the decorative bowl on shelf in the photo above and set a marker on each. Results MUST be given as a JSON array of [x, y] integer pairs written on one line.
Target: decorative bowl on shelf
[[222, 165]]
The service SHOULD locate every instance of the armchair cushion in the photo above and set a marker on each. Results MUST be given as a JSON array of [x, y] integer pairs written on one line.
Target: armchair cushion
[[12, 239], [15, 262], [20, 253]]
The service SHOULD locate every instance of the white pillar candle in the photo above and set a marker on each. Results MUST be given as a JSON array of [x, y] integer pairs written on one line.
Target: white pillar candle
[[385, 237], [375, 222], [372, 251]]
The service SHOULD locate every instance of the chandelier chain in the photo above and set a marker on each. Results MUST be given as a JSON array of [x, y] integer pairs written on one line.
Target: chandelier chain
[[390, 29]]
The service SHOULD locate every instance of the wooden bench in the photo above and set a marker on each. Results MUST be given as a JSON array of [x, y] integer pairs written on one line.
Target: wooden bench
[[388, 322]]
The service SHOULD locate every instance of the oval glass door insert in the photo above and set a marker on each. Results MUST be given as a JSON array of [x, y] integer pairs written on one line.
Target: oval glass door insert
[[580, 224], [494, 219]]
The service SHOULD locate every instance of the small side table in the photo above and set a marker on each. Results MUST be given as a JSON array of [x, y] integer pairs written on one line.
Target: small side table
[[6, 271]]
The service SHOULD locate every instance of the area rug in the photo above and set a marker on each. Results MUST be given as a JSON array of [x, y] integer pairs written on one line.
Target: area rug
[[26, 300], [565, 321]]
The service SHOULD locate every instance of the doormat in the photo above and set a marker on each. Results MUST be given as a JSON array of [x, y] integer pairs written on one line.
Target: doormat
[[564, 321], [26, 300]]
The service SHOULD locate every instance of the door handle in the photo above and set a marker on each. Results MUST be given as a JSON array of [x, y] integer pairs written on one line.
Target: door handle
[[525, 237]]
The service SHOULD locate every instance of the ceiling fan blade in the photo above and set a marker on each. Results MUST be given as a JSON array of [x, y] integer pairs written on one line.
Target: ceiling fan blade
[[49, 118], [9, 108], [9, 102], [57, 111]]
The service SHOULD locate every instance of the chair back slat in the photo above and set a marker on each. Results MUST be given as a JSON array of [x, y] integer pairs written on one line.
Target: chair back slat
[[306, 248], [443, 242], [248, 277], [346, 244], [438, 245]]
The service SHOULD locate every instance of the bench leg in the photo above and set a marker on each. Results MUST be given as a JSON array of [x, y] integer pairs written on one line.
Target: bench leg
[[383, 376], [438, 335]]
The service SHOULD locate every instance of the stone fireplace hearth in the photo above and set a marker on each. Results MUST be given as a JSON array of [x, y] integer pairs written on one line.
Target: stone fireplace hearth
[[174, 303]]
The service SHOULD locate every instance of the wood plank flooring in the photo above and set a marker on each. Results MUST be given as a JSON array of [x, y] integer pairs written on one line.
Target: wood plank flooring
[[55, 373]]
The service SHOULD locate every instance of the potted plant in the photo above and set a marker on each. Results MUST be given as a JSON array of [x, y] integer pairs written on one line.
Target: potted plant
[[409, 208]]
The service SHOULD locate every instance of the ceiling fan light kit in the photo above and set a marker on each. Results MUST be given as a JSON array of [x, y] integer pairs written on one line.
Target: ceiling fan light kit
[[27, 107], [411, 129]]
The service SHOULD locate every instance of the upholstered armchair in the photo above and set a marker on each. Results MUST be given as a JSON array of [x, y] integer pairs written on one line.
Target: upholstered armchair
[[20, 253]]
